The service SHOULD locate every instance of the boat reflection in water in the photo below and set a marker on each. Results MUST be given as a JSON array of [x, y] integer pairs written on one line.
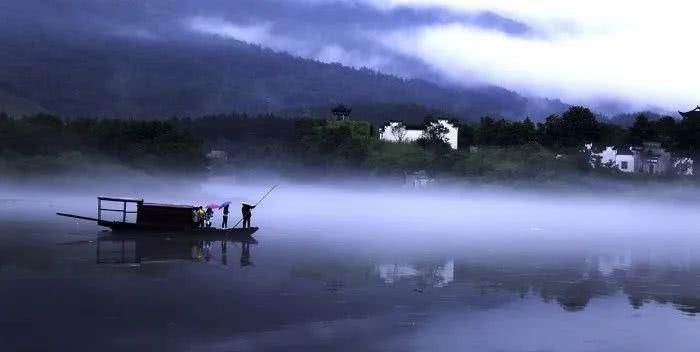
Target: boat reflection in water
[[125, 249]]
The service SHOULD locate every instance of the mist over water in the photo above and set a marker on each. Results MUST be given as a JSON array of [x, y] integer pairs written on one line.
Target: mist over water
[[352, 265]]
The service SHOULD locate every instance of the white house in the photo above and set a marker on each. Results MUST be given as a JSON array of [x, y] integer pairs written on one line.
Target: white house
[[623, 159], [650, 158], [418, 179], [397, 131]]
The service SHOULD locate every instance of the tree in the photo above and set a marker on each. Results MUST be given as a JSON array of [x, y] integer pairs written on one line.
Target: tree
[[612, 134], [549, 132], [486, 132], [641, 131], [399, 132], [579, 126], [665, 128], [466, 136], [434, 136], [528, 132], [576, 127]]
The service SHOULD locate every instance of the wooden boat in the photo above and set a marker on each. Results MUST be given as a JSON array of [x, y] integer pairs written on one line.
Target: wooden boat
[[134, 216]]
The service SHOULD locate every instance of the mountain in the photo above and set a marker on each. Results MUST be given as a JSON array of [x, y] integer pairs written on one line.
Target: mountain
[[114, 76], [377, 112], [627, 120], [14, 105]]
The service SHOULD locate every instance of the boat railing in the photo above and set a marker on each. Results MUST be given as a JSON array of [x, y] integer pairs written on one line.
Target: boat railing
[[122, 207]]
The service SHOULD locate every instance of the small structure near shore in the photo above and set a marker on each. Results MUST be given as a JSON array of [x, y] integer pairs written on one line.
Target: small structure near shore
[[217, 155], [418, 179]]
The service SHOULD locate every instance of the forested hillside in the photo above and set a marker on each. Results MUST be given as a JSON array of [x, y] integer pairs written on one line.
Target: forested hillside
[[113, 76]]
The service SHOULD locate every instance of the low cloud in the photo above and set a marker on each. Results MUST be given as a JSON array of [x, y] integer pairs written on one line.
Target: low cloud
[[354, 58], [579, 50], [637, 52], [136, 33], [254, 34], [264, 34]]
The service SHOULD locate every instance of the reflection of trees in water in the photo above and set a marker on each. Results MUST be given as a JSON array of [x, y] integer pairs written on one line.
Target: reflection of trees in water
[[573, 283], [334, 275], [664, 284], [338, 275]]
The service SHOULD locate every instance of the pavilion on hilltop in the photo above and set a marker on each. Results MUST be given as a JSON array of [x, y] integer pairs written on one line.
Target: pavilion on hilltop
[[341, 112], [695, 113]]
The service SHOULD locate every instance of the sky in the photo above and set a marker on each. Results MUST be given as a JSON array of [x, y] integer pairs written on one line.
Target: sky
[[637, 52]]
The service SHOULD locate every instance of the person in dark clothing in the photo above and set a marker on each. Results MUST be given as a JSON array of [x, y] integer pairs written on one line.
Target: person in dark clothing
[[224, 223], [208, 215], [247, 214]]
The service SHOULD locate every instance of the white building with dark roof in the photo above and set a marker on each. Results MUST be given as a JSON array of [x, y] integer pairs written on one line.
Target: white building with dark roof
[[621, 158], [399, 132]]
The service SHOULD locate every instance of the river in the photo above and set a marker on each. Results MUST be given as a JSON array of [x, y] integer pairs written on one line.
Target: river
[[359, 271]]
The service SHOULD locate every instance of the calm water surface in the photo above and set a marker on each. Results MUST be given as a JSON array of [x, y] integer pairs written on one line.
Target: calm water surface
[[329, 286]]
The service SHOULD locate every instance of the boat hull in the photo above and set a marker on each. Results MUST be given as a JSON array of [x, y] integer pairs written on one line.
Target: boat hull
[[180, 237], [141, 229]]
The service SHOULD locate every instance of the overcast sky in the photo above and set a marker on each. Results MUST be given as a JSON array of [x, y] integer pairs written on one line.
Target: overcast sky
[[641, 52]]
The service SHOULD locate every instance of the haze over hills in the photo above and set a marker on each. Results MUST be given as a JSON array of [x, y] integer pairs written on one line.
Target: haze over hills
[[113, 76], [16, 106]]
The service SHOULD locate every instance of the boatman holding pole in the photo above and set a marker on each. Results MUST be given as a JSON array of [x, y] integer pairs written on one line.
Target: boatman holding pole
[[246, 209], [247, 214]]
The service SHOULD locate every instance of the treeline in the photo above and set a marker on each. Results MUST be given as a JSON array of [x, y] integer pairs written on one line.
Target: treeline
[[578, 125], [45, 143], [488, 148], [354, 145]]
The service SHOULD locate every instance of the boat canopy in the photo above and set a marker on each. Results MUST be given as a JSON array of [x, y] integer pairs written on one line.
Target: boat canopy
[[127, 200], [172, 215]]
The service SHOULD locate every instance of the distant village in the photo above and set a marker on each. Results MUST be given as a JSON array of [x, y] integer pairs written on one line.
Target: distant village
[[642, 155], [649, 158]]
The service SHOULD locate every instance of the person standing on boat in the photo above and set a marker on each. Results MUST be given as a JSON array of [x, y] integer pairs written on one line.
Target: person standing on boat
[[208, 216], [195, 218], [247, 214], [224, 223], [200, 217]]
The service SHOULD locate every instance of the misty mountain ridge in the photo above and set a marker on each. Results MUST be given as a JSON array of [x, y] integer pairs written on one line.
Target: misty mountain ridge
[[18, 106], [113, 76]]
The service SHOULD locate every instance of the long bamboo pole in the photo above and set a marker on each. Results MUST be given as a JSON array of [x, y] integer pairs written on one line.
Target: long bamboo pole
[[256, 204]]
